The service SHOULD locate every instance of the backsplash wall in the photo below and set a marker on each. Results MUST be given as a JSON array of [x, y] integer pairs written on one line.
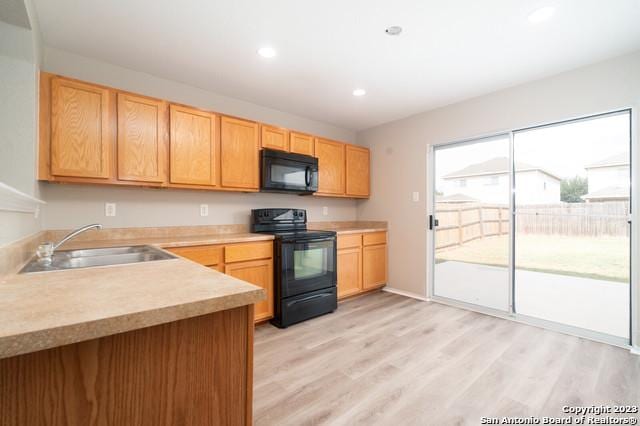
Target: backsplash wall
[[69, 206]]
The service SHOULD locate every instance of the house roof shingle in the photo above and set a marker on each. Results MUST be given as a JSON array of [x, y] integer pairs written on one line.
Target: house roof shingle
[[610, 192], [621, 159], [498, 165]]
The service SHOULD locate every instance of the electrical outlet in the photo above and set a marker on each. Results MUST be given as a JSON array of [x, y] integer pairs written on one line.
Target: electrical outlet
[[110, 209], [325, 211], [415, 196], [204, 210]]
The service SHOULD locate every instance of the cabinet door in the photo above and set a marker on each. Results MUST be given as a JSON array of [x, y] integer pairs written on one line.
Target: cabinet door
[[239, 154], [142, 139], [349, 271], [260, 273], [331, 165], [81, 136], [374, 266], [357, 171], [301, 143], [274, 137], [193, 153]]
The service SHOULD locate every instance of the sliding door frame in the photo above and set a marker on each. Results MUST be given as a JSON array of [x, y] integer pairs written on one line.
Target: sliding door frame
[[630, 343]]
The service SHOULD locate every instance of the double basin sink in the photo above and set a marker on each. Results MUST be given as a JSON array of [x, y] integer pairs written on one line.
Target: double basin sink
[[87, 258]]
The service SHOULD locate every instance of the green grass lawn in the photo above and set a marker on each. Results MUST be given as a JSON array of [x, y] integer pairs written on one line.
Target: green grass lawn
[[601, 258]]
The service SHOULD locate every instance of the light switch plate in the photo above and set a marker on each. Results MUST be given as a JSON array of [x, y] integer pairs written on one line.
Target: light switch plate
[[204, 210], [109, 209], [325, 211], [415, 196]]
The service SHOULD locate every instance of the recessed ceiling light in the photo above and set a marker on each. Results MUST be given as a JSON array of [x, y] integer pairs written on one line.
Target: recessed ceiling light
[[393, 31], [267, 52], [542, 14], [359, 92]]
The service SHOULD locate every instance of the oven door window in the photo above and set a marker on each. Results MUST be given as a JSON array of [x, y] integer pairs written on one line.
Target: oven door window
[[308, 266], [310, 263]]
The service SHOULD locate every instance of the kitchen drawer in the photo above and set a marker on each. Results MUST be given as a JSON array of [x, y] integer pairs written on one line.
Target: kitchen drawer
[[248, 251], [374, 238], [349, 241], [204, 255]]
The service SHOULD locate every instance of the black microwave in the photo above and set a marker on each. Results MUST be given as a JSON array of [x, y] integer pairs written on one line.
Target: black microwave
[[288, 172]]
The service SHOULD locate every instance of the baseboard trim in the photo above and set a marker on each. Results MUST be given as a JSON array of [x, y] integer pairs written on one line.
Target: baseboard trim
[[635, 350], [406, 293]]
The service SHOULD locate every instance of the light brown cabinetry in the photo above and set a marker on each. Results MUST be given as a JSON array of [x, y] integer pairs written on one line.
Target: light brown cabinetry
[[300, 143], [251, 262], [94, 134], [142, 139], [274, 137], [196, 371], [362, 262], [374, 260], [349, 271], [331, 166], [239, 154], [81, 131], [194, 152], [260, 273], [357, 171]]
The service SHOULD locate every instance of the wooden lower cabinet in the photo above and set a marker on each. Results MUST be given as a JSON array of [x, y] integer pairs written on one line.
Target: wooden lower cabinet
[[374, 266], [196, 371], [349, 271], [362, 262], [250, 262], [260, 273]]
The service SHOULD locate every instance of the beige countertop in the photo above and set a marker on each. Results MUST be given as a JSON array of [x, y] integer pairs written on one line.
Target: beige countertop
[[171, 241], [49, 309]]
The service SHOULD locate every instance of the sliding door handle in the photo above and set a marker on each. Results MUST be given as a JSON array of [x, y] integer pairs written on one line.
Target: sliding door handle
[[433, 222]]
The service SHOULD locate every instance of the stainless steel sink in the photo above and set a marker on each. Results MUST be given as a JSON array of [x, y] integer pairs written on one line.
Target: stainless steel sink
[[87, 258]]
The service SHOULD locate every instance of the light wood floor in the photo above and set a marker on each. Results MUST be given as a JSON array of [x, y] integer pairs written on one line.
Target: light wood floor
[[384, 359]]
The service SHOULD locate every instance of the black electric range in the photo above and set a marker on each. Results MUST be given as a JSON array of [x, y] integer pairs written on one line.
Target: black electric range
[[304, 265]]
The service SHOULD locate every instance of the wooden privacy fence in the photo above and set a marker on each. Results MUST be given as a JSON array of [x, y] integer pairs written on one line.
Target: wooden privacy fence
[[461, 223]]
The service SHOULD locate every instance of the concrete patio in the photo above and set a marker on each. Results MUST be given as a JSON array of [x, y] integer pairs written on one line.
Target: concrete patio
[[593, 304]]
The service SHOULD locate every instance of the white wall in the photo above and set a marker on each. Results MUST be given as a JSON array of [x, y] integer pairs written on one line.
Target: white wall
[[72, 205], [400, 148], [605, 177], [69, 206], [18, 130]]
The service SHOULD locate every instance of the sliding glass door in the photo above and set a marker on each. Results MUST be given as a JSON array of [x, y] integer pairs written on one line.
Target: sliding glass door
[[471, 205], [536, 223], [572, 232]]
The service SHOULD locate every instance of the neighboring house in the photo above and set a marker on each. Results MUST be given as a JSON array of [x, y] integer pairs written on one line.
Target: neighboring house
[[608, 179], [488, 182], [455, 199]]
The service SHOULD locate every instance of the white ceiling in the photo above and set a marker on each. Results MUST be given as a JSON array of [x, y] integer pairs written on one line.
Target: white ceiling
[[449, 50]]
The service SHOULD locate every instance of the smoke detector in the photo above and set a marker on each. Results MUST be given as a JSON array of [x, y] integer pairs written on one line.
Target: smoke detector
[[393, 30]]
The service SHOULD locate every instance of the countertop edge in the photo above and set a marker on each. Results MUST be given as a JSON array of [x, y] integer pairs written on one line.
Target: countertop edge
[[102, 327]]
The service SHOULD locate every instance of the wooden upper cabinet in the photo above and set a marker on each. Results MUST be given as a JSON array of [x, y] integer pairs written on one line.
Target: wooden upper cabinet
[[301, 143], [274, 137], [239, 154], [81, 131], [142, 139], [357, 171], [331, 166], [194, 148]]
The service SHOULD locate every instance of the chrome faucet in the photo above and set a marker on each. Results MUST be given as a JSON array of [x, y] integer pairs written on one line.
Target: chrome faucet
[[46, 250]]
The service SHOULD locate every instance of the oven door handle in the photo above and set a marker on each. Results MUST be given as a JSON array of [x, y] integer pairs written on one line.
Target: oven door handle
[[306, 299]]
